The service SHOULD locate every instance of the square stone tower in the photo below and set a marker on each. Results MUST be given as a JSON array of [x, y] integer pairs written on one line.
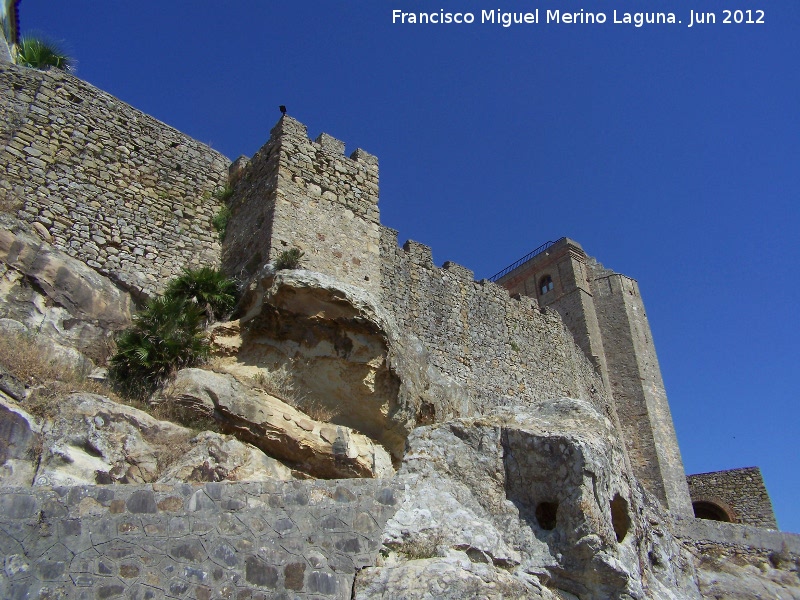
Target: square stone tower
[[307, 195], [605, 313]]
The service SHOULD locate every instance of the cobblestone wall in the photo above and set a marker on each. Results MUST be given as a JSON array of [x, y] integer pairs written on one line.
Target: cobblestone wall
[[304, 194], [740, 491], [503, 350], [233, 540], [113, 187]]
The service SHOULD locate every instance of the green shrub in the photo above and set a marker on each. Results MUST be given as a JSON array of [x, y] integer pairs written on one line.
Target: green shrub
[[220, 221], [168, 335], [38, 53], [207, 288], [289, 259], [224, 193]]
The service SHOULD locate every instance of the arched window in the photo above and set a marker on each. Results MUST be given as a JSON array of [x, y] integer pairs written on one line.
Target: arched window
[[711, 511], [545, 284]]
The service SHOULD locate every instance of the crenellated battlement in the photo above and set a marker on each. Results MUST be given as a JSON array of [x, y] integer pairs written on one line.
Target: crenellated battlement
[[290, 130]]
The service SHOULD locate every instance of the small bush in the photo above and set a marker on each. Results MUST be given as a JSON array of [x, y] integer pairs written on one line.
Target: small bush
[[220, 221], [166, 336], [289, 259], [207, 288], [224, 193], [423, 546], [39, 53]]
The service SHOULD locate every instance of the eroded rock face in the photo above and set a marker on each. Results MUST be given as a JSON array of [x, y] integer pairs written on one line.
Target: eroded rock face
[[723, 572], [90, 439], [540, 494], [453, 577], [57, 295], [20, 439], [319, 449], [343, 351], [215, 457]]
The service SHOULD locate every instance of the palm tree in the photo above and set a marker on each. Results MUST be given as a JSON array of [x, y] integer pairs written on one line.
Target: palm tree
[[208, 288], [165, 337], [38, 53]]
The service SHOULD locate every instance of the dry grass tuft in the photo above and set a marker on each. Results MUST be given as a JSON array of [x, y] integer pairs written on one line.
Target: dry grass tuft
[[422, 547], [280, 384], [48, 380], [45, 378]]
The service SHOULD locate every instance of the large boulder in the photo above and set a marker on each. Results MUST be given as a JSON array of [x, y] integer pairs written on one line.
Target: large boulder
[[540, 495], [316, 448], [343, 351], [57, 295]]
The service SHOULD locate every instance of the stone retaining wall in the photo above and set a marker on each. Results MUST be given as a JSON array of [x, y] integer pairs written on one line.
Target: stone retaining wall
[[302, 539], [108, 184], [700, 531]]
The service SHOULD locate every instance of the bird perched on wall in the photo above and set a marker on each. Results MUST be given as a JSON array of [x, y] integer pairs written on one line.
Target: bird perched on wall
[[283, 109]]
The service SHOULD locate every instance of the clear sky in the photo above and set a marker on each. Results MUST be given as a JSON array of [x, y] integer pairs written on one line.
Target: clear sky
[[671, 153]]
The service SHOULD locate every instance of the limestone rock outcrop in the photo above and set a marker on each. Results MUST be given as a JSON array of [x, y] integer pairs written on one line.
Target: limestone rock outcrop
[[20, 436], [56, 295], [735, 575], [537, 496], [343, 351], [316, 448], [215, 457], [90, 439]]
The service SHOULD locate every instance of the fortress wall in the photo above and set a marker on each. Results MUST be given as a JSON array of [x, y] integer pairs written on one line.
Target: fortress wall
[[741, 491], [503, 349], [216, 540], [108, 184], [304, 194]]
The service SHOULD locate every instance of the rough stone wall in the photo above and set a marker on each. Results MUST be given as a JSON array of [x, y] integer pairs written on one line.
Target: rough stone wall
[[741, 491], [111, 186], [504, 350], [234, 540], [304, 194], [638, 389]]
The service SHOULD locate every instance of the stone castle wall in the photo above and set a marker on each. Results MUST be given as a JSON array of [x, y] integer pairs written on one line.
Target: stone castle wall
[[739, 491], [303, 539], [133, 198], [104, 182], [502, 350]]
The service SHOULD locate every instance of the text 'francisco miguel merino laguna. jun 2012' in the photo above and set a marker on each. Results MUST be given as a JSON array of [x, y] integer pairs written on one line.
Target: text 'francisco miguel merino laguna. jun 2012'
[[582, 17]]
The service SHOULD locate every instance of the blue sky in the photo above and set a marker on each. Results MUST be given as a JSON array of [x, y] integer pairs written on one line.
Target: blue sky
[[670, 153]]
